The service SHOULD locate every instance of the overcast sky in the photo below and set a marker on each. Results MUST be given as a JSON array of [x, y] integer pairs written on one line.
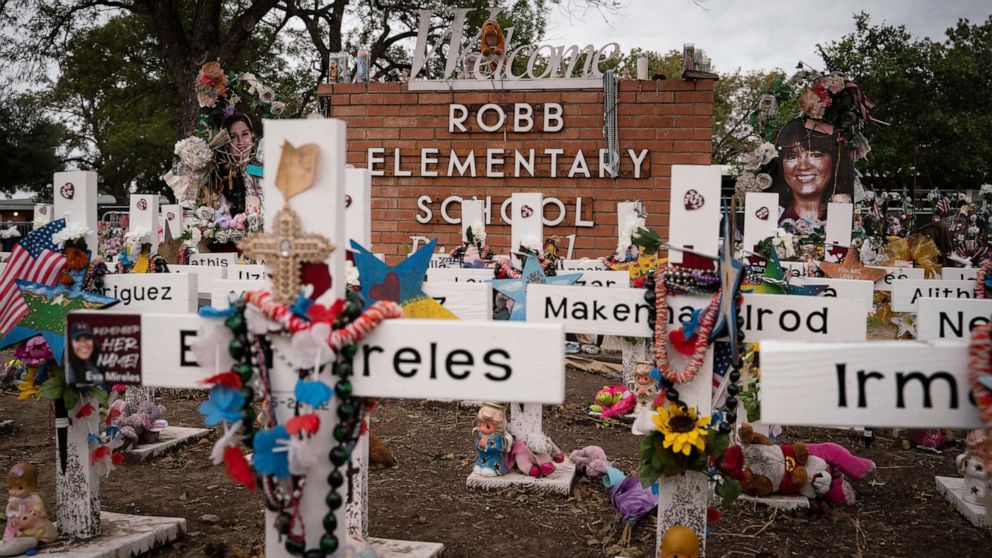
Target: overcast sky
[[754, 34]]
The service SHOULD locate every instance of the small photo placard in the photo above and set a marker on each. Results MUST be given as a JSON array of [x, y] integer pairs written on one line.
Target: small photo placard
[[103, 348]]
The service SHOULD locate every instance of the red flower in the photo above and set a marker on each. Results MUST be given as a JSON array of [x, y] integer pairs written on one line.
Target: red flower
[[238, 468], [99, 453], [677, 339], [733, 463], [227, 379], [712, 515], [84, 411], [117, 458], [318, 313], [304, 423]]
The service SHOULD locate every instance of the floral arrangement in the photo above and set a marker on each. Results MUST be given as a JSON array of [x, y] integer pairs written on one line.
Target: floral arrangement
[[110, 239], [473, 253], [209, 224], [684, 441], [219, 95], [829, 103]]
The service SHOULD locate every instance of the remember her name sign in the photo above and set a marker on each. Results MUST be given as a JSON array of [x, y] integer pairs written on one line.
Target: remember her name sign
[[887, 383], [906, 292], [422, 359], [940, 318], [103, 348], [624, 312]]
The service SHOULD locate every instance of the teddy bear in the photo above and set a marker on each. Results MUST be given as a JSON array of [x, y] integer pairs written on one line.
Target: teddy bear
[[493, 42], [34, 523], [535, 455], [810, 470], [764, 468], [613, 401], [590, 459]]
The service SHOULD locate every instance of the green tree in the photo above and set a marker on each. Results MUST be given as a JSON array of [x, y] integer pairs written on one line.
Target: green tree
[[32, 145], [934, 96]]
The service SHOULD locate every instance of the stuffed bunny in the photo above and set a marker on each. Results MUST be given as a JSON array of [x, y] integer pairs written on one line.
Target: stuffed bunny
[[535, 455]]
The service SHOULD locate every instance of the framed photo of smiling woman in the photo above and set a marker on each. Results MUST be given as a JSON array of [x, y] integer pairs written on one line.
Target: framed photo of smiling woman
[[814, 168]]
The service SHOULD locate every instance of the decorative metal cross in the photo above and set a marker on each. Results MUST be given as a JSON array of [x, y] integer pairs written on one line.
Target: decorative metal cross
[[285, 249]]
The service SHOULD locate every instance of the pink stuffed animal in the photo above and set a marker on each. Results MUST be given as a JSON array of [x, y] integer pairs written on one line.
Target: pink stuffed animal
[[613, 402], [535, 455], [592, 459], [842, 464]]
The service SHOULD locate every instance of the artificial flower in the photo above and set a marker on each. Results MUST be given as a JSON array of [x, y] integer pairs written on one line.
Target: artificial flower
[[351, 274], [310, 346], [266, 94], [226, 379], [210, 346], [271, 455], [237, 467], [308, 423], [833, 83], [239, 221], [224, 404], [27, 388], [193, 152], [228, 439], [277, 108], [812, 105], [34, 352], [313, 393], [763, 180], [72, 231], [681, 428], [204, 212], [768, 105]]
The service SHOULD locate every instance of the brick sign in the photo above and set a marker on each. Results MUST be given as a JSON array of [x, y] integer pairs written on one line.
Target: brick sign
[[429, 150]]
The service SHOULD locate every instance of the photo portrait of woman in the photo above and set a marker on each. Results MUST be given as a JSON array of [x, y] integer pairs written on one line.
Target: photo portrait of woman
[[83, 354], [813, 170], [239, 191]]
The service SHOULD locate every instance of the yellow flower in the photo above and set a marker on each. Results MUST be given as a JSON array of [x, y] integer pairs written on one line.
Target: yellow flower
[[27, 387], [682, 429]]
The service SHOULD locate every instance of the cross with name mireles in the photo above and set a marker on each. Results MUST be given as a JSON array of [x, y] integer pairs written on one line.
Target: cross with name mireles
[[430, 359]]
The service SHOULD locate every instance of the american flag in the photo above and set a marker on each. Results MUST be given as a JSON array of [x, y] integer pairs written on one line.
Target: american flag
[[722, 358], [35, 258]]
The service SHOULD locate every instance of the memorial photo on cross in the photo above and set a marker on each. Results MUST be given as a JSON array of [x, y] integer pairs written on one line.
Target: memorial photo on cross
[[597, 278]]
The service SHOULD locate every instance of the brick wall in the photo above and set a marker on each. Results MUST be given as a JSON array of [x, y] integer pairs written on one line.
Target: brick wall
[[671, 119]]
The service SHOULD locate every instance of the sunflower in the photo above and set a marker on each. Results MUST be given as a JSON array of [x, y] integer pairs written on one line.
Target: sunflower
[[27, 387], [682, 429]]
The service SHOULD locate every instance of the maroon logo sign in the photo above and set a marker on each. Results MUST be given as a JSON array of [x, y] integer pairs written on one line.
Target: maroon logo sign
[[67, 190], [142, 204], [170, 216], [347, 201], [693, 200], [526, 211], [762, 213], [43, 210]]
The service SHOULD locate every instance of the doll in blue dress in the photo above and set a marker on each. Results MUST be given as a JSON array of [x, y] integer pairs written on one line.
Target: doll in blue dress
[[492, 442]]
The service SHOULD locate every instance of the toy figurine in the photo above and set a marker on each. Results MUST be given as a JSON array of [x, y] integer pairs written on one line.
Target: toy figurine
[[492, 441], [972, 468], [26, 516], [643, 387]]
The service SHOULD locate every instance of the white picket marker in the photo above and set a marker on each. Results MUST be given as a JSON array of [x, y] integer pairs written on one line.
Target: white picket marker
[[459, 275], [172, 217], [893, 274], [631, 351], [837, 232], [581, 265], [852, 289], [473, 212], [527, 226], [760, 218], [694, 218], [358, 206], [143, 215], [77, 487], [43, 214], [246, 272], [222, 291], [959, 273], [468, 301], [152, 292], [210, 259], [76, 199], [204, 275]]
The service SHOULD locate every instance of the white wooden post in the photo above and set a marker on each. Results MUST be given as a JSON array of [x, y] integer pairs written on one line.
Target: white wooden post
[[527, 227], [473, 211], [321, 211], [143, 215], [77, 487], [43, 213], [760, 218], [172, 217], [631, 350], [694, 222], [837, 232], [75, 199]]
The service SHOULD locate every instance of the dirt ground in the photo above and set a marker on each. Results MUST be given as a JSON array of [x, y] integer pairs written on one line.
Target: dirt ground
[[899, 512]]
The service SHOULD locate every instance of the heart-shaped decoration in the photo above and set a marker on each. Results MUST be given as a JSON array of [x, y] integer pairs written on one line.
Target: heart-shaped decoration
[[693, 200], [142, 204], [170, 216], [762, 213], [526, 211], [43, 210], [347, 201], [68, 190], [389, 289], [297, 167]]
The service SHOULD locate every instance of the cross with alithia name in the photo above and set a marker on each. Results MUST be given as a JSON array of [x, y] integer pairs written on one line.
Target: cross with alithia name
[[530, 376]]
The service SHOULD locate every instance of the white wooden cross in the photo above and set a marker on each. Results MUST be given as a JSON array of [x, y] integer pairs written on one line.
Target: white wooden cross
[[402, 358]]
